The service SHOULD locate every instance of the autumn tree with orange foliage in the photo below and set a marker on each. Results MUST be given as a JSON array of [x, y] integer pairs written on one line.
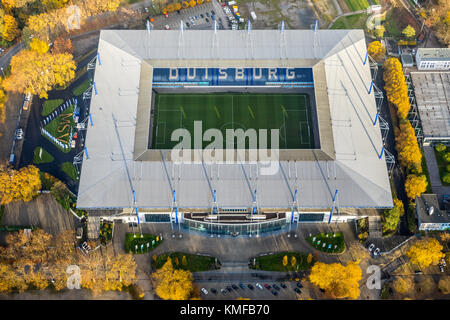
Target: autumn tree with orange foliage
[[16, 185], [173, 284], [336, 279], [3, 100], [37, 73], [39, 46], [62, 45], [415, 185], [425, 253], [395, 86], [9, 27], [407, 147], [376, 50]]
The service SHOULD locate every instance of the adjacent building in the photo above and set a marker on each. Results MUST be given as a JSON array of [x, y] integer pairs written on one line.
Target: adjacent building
[[430, 216], [433, 58]]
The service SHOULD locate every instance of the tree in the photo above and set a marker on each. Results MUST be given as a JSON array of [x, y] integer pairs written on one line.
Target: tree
[[446, 177], [173, 284], [376, 50], [379, 31], [403, 285], [395, 86], [440, 147], [444, 284], [184, 261], [285, 261], [3, 100], [7, 277], [39, 46], [10, 29], [293, 261], [336, 279], [16, 185], [415, 185], [62, 45], [391, 218], [407, 147], [36, 73], [309, 258], [425, 252], [409, 32]]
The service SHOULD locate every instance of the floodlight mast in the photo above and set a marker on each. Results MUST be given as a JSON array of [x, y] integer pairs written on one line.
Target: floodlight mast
[[128, 174]]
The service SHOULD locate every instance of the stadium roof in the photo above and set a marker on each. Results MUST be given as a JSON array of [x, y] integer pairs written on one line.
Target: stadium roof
[[353, 166]]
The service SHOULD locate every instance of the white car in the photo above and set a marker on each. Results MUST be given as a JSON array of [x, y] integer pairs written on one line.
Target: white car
[[204, 291], [167, 27], [19, 134], [259, 286], [376, 252], [371, 247]]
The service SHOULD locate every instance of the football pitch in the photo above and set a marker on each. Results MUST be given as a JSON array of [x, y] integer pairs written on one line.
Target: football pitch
[[290, 113]]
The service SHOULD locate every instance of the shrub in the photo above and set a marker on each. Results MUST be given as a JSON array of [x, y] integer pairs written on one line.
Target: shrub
[[447, 156], [446, 178], [440, 147]]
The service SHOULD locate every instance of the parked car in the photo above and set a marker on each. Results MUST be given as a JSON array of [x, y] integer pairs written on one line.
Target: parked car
[[297, 290], [376, 252], [187, 24], [276, 287], [418, 272], [224, 292], [268, 287], [443, 262], [207, 14], [242, 286], [167, 27], [441, 268], [213, 290], [250, 286], [27, 102], [259, 286], [283, 285], [204, 291], [201, 15], [371, 247], [213, 12], [299, 285], [235, 287], [229, 289], [206, 19], [274, 292], [19, 134]]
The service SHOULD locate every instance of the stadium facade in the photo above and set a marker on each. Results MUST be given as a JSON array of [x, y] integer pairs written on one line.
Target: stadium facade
[[346, 167]]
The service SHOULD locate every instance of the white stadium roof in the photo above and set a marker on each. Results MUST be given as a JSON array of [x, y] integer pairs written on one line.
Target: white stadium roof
[[354, 168]]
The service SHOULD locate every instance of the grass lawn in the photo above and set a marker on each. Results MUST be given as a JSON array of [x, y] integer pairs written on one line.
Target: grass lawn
[[290, 113], [392, 26], [337, 242], [50, 105], [44, 158], [82, 87], [442, 164], [194, 262], [357, 21], [131, 242], [60, 126], [69, 169], [274, 262], [356, 5]]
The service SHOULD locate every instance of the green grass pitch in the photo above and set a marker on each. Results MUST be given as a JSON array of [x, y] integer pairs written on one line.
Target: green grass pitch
[[290, 113]]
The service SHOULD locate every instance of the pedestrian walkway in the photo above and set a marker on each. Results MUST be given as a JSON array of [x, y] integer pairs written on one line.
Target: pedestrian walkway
[[375, 227]]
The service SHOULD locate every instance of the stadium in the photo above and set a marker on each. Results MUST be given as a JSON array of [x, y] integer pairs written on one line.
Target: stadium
[[304, 96]]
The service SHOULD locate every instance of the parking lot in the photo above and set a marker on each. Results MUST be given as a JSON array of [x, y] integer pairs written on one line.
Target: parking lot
[[196, 18], [253, 292]]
